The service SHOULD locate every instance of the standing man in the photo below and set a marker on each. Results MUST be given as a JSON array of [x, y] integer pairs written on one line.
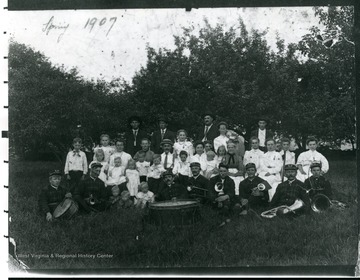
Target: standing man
[[134, 136], [262, 133], [209, 131], [161, 134]]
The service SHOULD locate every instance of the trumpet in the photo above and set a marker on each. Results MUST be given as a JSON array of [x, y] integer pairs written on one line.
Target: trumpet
[[190, 188], [219, 187], [283, 209]]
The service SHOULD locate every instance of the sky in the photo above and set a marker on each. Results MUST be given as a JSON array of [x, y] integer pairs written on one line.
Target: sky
[[112, 43]]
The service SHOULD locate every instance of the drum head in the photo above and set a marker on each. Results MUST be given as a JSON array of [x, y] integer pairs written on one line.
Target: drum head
[[173, 203], [62, 208]]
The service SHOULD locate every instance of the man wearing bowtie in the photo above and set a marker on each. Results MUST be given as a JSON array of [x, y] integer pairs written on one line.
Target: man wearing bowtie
[[76, 166], [159, 135], [262, 133]]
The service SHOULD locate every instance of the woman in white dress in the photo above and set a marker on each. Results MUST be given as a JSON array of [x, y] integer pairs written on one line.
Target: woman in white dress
[[270, 167], [182, 144], [199, 156], [222, 139], [305, 159]]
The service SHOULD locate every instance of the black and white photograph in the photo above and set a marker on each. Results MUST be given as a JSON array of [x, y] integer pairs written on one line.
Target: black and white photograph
[[182, 141]]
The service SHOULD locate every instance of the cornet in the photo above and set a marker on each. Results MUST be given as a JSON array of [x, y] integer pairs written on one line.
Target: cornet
[[190, 188], [219, 188], [92, 200]]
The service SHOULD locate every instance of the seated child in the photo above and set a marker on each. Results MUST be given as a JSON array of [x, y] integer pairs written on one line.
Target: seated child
[[317, 183], [116, 174], [105, 146], [154, 175], [182, 144], [142, 166], [181, 169], [144, 196], [100, 158], [221, 153], [133, 178], [115, 197], [125, 201], [211, 165]]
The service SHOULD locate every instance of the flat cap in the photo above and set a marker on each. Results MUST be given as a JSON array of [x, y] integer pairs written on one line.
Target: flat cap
[[55, 173], [290, 167], [95, 165], [166, 141], [250, 165]]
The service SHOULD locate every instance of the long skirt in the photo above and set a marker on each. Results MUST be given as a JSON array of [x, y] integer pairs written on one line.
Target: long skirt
[[236, 179]]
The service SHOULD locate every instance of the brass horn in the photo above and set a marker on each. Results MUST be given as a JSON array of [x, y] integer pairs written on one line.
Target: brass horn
[[92, 200], [219, 187], [283, 209], [260, 187], [190, 188], [320, 203]]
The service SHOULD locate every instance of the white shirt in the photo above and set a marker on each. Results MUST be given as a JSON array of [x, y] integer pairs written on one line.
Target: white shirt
[[170, 159], [125, 157], [201, 159], [221, 140], [271, 162], [262, 137], [76, 161], [143, 167], [148, 196], [205, 138], [116, 175], [253, 156], [290, 157], [308, 157], [186, 146], [182, 168]]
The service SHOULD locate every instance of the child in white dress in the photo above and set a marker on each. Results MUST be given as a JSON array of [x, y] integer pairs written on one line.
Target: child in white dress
[[142, 166], [144, 196], [154, 174], [100, 158], [133, 178], [305, 159], [182, 144], [105, 146], [116, 174]]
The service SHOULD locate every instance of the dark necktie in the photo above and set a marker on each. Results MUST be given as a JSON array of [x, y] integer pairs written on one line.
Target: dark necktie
[[206, 132], [231, 158], [162, 134], [135, 134], [166, 160]]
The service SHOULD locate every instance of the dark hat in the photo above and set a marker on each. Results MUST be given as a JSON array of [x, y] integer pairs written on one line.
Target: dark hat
[[223, 165], [263, 118], [95, 165], [290, 167], [166, 141], [168, 172], [55, 173], [315, 164], [195, 164], [134, 118], [208, 114], [250, 165], [162, 119]]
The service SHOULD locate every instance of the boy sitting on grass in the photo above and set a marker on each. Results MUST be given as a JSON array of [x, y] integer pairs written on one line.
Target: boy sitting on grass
[[52, 195], [317, 184], [144, 196]]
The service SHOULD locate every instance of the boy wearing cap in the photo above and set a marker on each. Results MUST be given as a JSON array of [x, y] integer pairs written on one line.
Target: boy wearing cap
[[290, 191], [52, 195], [159, 135], [167, 158], [250, 191], [91, 193], [169, 190], [222, 192], [318, 183], [199, 181], [76, 166]]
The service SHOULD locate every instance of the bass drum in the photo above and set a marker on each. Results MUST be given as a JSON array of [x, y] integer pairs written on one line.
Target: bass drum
[[174, 213], [66, 209]]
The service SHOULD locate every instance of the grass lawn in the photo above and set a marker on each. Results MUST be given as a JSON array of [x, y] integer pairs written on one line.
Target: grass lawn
[[320, 239]]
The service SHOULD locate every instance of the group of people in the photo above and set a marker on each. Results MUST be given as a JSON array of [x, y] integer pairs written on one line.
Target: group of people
[[216, 169]]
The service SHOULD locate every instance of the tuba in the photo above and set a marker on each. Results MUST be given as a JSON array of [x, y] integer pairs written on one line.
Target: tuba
[[283, 209], [219, 188], [321, 203], [260, 187]]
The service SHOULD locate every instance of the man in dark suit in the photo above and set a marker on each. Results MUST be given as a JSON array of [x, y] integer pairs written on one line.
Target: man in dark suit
[[222, 192], [161, 134], [209, 131], [134, 136], [262, 133], [169, 190], [200, 182]]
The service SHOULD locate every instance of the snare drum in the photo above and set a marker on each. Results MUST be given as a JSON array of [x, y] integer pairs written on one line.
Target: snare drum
[[180, 212], [66, 209]]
